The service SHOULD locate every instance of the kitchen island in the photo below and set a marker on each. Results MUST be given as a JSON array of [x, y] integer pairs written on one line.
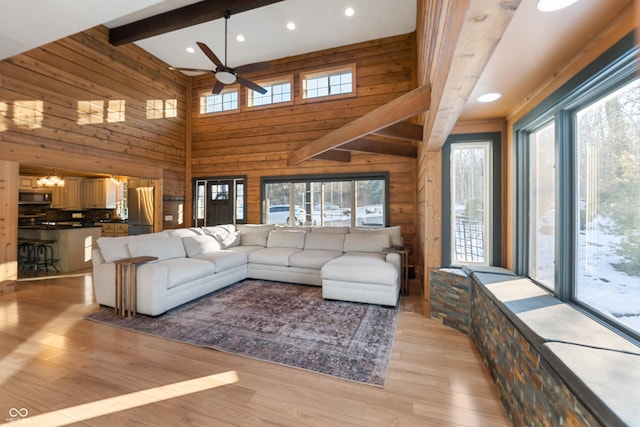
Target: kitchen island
[[72, 243]]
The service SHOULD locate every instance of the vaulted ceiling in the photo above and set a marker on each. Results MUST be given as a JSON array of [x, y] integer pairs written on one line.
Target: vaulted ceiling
[[489, 46]]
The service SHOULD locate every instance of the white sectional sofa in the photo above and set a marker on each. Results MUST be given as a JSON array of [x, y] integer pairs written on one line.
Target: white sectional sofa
[[349, 264]]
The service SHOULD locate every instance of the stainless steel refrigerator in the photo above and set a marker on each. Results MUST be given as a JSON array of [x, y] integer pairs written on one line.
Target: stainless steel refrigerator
[[140, 203]]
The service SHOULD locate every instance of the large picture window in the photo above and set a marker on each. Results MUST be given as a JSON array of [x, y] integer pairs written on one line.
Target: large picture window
[[357, 201], [578, 191]]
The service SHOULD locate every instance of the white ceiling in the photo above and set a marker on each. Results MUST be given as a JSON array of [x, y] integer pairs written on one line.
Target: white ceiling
[[319, 25], [534, 45]]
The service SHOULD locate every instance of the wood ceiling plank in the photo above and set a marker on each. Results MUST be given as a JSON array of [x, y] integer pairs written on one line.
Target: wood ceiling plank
[[402, 108], [403, 130], [381, 147], [186, 16]]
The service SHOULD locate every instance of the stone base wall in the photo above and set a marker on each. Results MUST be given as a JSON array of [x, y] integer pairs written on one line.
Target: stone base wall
[[531, 392], [450, 298]]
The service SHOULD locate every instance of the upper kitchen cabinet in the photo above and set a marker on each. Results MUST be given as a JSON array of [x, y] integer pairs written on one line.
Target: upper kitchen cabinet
[[72, 193], [57, 197], [99, 193], [28, 183]]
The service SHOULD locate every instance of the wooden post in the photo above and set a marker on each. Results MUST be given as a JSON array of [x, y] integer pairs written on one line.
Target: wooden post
[[9, 172]]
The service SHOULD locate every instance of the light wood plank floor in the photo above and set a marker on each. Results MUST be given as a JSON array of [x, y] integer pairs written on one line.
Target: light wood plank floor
[[68, 371]]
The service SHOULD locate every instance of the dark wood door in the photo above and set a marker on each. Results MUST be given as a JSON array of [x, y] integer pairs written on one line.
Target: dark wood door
[[220, 202]]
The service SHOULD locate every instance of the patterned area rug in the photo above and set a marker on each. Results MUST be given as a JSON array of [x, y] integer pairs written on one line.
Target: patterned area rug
[[281, 323]]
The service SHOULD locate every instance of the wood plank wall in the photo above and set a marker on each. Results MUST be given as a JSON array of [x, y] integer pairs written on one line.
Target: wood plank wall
[[256, 143], [85, 67], [40, 92]]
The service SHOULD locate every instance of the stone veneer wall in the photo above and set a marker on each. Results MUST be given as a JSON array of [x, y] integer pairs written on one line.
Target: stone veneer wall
[[450, 298], [531, 392]]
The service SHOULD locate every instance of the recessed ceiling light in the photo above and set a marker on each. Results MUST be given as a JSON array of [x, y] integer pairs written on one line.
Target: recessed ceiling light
[[240, 38], [349, 11], [191, 50], [489, 97], [291, 26], [553, 5]]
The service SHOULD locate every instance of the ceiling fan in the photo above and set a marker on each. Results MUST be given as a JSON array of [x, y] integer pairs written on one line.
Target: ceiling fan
[[224, 74]]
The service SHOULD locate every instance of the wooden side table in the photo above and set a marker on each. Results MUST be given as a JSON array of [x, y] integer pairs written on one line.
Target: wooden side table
[[126, 286], [404, 266]]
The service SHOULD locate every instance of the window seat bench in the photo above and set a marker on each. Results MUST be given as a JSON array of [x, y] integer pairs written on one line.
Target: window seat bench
[[553, 364]]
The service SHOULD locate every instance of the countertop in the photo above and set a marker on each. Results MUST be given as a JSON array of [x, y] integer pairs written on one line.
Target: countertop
[[57, 226]]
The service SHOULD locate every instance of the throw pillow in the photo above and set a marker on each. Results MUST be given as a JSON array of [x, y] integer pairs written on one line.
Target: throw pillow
[[225, 234]]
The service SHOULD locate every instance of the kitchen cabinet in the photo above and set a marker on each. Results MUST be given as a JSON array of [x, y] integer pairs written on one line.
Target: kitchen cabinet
[[57, 197], [72, 193], [99, 193], [28, 183], [112, 229]]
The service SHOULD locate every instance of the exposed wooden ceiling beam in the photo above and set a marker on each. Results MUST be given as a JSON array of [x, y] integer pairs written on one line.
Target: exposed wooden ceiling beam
[[402, 108], [381, 147], [403, 130], [186, 16], [469, 33], [334, 155]]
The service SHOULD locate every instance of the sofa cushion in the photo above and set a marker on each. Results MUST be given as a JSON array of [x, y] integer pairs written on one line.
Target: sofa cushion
[[395, 233], [184, 270], [286, 239], [366, 242], [184, 232], [254, 234], [292, 227], [195, 245], [313, 258], [336, 229], [376, 255], [166, 248], [360, 269], [273, 256], [115, 248], [226, 234], [224, 260], [327, 241]]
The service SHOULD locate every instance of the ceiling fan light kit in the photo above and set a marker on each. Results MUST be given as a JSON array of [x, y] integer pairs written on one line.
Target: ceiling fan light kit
[[553, 5], [226, 77], [224, 74]]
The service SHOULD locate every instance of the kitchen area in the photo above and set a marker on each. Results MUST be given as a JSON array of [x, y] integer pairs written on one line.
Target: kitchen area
[[61, 217]]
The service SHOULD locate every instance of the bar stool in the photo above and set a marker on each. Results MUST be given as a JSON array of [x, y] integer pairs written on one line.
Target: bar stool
[[45, 256], [26, 256]]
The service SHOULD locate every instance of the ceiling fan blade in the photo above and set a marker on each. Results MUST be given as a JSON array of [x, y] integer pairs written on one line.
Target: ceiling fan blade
[[212, 56], [195, 70], [217, 88], [252, 68], [252, 85]]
